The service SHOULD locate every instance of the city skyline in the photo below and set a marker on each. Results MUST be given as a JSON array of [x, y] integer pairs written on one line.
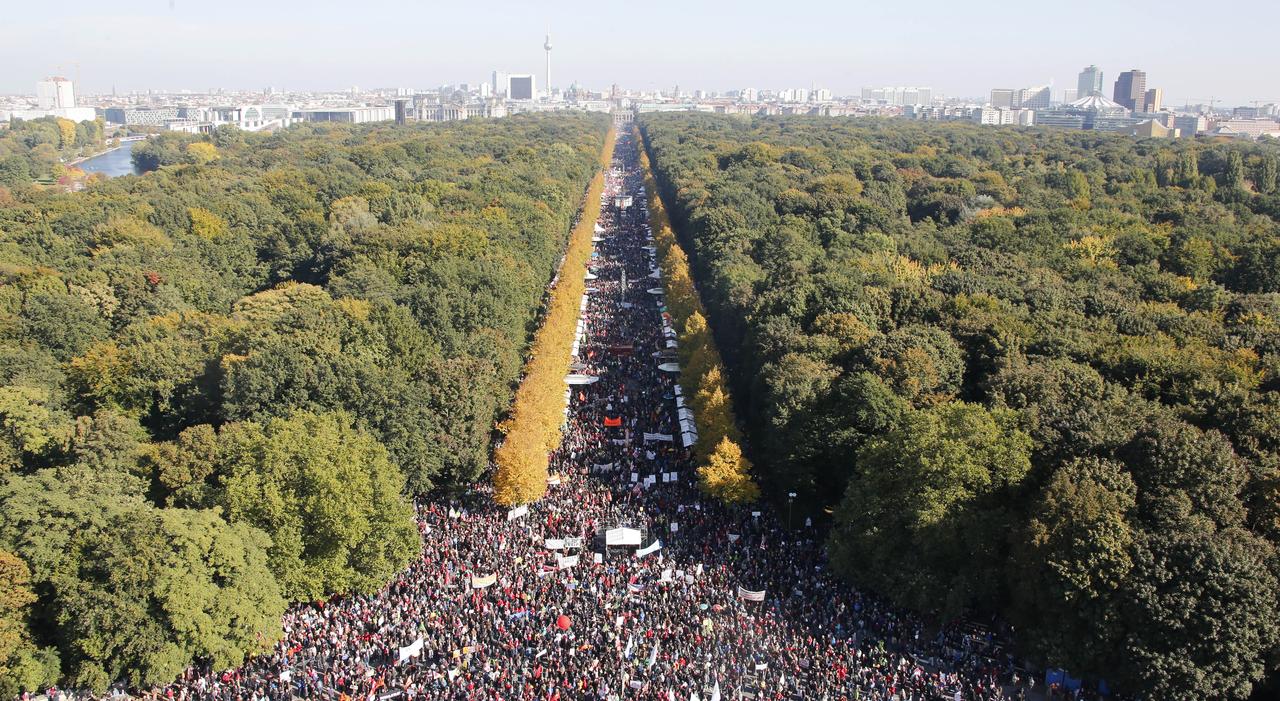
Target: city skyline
[[961, 52]]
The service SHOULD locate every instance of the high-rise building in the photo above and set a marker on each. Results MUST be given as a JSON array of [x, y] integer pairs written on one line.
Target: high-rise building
[[1038, 98], [521, 87], [55, 93], [1003, 97], [1154, 100], [1131, 90], [1070, 95], [1089, 82]]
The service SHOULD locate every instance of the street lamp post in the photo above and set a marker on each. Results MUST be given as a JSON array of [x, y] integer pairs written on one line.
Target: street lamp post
[[790, 498]]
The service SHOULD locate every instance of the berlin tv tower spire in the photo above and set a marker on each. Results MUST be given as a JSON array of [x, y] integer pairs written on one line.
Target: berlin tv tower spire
[[547, 46]]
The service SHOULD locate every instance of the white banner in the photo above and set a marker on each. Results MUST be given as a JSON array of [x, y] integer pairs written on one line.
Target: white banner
[[554, 544], [597, 558], [412, 651], [653, 547], [749, 595], [553, 480], [567, 562], [517, 512], [622, 536], [482, 582], [659, 437], [572, 543], [675, 527]]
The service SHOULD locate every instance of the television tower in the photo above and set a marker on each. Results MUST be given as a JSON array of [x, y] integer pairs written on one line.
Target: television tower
[[547, 47]]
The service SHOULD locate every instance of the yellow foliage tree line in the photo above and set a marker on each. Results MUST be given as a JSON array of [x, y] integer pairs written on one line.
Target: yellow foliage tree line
[[723, 471], [533, 427]]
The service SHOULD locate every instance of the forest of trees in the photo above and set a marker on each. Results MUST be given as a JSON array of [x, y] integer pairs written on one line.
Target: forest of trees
[[1032, 373], [221, 381], [34, 150]]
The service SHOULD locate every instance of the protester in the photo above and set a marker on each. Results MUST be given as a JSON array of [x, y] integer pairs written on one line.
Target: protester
[[489, 611]]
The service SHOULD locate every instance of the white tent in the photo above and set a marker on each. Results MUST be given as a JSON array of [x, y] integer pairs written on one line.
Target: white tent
[[576, 379], [669, 367]]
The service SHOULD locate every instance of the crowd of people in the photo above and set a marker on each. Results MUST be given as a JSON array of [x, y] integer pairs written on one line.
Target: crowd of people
[[533, 603]]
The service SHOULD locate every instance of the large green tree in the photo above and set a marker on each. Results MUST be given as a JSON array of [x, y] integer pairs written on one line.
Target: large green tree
[[925, 515], [328, 496]]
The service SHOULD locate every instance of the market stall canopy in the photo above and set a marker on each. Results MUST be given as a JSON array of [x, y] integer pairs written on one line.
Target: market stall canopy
[[669, 367]]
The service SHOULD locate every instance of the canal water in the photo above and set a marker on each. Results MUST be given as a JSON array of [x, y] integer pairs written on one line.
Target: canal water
[[113, 163]]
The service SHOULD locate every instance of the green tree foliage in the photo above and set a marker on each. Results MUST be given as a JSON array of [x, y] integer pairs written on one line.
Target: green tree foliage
[[723, 471], [219, 380], [36, 149], [924, 517], [133, 592], [1040, 366], [533, 430], [22, 666], [328, 496]]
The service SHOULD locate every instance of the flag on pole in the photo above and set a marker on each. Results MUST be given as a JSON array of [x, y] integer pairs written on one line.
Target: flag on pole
[[715, 693]]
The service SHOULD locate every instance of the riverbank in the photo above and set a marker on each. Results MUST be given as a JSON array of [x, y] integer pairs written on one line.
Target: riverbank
[[91, 156]]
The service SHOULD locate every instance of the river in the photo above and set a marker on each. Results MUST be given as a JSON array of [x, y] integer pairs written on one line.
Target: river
[[112, 163]]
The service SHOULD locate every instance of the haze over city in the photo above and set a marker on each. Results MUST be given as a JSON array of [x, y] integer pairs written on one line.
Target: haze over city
[[395, 350], [961, 49]]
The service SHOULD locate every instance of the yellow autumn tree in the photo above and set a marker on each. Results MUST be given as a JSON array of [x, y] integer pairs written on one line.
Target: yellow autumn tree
[[722, 470], [532, 430], [206, 224], [726, 475], [202, 152], [66, 133]]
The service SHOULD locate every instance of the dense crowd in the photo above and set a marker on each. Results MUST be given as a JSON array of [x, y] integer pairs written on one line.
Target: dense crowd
[[671, 623]]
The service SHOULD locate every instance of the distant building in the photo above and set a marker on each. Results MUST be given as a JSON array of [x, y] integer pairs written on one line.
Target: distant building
[[1246, 127], [521, 87], [454, 112], [1131, 90], [1005, 116], [55, 93], [899, 96], [1154, 100], [1059, 118], [1038, 98], [141, 116], [1152, 129], [1089, 82], [1086, 113], [1070, 95], [1190, 124], [346, 115], [1023, 98]]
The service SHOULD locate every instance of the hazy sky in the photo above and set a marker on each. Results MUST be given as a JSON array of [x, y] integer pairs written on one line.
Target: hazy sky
[[1194, 50]]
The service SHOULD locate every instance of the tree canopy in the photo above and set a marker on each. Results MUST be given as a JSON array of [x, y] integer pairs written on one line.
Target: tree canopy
[[1041, 367], [221, 381]]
